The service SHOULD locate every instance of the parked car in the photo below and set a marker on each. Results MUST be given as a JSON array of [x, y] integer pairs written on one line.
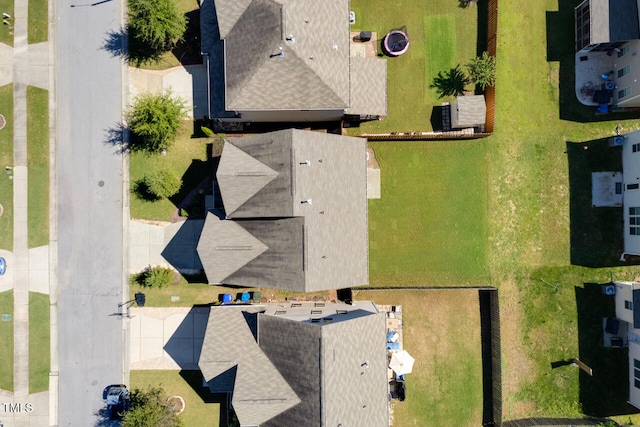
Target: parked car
[[117, 397], [3, 266]]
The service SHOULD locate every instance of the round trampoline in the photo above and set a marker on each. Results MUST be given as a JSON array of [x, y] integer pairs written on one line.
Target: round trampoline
[[396, 42]]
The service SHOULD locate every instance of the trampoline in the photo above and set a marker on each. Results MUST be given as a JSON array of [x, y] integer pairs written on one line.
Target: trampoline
[[396, 42]]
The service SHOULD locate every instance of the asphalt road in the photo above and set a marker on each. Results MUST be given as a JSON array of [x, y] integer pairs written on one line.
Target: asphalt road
[[90, 224]]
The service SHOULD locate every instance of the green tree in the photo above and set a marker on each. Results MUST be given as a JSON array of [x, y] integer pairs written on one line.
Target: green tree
[[154, 121], [154, 28], [149, 408], [161, 183], [155, 277], [482, 70], [450, 83]]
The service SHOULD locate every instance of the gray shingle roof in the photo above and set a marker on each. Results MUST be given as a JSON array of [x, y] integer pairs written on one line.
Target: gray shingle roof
[[313, 71], [259, 391], [368, 87], [327, 170], [468, 111], [338, 370], [614, 20]]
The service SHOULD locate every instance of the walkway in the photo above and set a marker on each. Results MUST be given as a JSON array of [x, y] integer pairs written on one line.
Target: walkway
[[28, 269]]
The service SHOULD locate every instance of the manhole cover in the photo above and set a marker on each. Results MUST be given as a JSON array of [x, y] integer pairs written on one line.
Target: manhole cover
[[7, 317], [3, 121], [100, 183]]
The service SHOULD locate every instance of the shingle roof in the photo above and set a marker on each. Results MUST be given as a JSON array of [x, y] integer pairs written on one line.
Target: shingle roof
[[338, 370], [368, 87], [323, 179], [614, 20], [259, 391], [468, 111], [311, 73]]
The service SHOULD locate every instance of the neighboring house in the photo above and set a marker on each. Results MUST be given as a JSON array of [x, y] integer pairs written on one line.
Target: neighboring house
[[631, 191], [607, 37], [299, 364], [287, 61], [295, 204], [627, 299]]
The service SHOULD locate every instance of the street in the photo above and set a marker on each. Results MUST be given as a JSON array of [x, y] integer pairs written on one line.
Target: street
[[90, 209]]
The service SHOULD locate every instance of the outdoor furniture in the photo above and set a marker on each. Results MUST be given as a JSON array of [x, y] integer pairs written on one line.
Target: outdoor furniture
[[617, 342], [401, 362], [612, 325], [365, 36], [393, 346]]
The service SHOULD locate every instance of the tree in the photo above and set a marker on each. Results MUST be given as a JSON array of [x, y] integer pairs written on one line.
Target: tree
[[161, 183], [155, 277], [482, 70], [154, 121], [450, 83], [150, 408], [154, 28]]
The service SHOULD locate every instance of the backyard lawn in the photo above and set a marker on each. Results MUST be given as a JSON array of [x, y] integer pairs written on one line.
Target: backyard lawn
[[442, 35], [430, 226], [445, 386], [6, 159], [201, 407]]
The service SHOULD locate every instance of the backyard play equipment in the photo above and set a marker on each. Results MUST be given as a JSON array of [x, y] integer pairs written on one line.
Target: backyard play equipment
[[396, 42]]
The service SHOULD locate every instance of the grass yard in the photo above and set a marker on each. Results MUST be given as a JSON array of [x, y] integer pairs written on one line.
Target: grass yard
[[187, 158], [6, 159], [6, 342], [39, 352], [442, 35], [38, 165], [38, 15], [430, 226], [6, 31], [445, 387], [201, 407]]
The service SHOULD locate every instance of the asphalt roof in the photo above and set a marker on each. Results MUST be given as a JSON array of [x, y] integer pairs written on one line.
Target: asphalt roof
[[614, 20], [337, 369], [322, 178]]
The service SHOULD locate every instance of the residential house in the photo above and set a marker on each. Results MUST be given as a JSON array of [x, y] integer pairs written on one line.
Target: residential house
[[295, 206], [607, 37], [627, 298], [631, 191], [287, 61], [299, 363]]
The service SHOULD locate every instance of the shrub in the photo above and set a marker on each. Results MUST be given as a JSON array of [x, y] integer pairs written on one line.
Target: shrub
[[206, 131], [482, 70], [162, 183], [154, 121], [155, 277]]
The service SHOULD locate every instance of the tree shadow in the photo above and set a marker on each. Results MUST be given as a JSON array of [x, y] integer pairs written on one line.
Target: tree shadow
[[117, 43], [450, 83], [141, 190], [118, 137], [596, 234], [606, 392]]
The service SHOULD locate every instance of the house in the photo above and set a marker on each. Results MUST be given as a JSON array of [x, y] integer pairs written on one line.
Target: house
[[295, 208], [627, 299], [607, 38], [287, 61], [631, 191], [299, 364]]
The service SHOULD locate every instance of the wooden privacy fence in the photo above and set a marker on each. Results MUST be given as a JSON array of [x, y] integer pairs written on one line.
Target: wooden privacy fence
[[491, 357]]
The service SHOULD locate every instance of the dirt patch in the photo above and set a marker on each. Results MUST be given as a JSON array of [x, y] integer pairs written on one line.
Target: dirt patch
[[372, 162]]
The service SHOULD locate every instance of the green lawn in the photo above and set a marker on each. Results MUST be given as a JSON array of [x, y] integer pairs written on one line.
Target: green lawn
[[187, 158], [38, 165], [38, 21], [441, 35], [39, 352], [6, 31], [6, 342], [445, 386], [6, 159], [201, 407], [430, 226]]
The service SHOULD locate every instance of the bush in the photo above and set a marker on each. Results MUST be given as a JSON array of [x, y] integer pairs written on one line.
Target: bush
[[482, 70], [162, 183], [150, 408], [155, 277], [206, 131], [154, 121]]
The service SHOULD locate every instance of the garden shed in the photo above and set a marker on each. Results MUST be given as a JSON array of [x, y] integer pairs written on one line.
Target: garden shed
[[468, 112]]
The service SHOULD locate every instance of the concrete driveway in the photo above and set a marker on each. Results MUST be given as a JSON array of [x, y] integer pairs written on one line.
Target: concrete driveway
[[166, 338]]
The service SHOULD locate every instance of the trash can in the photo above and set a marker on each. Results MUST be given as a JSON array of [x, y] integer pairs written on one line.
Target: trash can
[[244, 297], [256, 296]]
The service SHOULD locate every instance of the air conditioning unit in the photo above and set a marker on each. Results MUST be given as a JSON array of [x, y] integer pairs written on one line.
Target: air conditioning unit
[[616, 141]]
